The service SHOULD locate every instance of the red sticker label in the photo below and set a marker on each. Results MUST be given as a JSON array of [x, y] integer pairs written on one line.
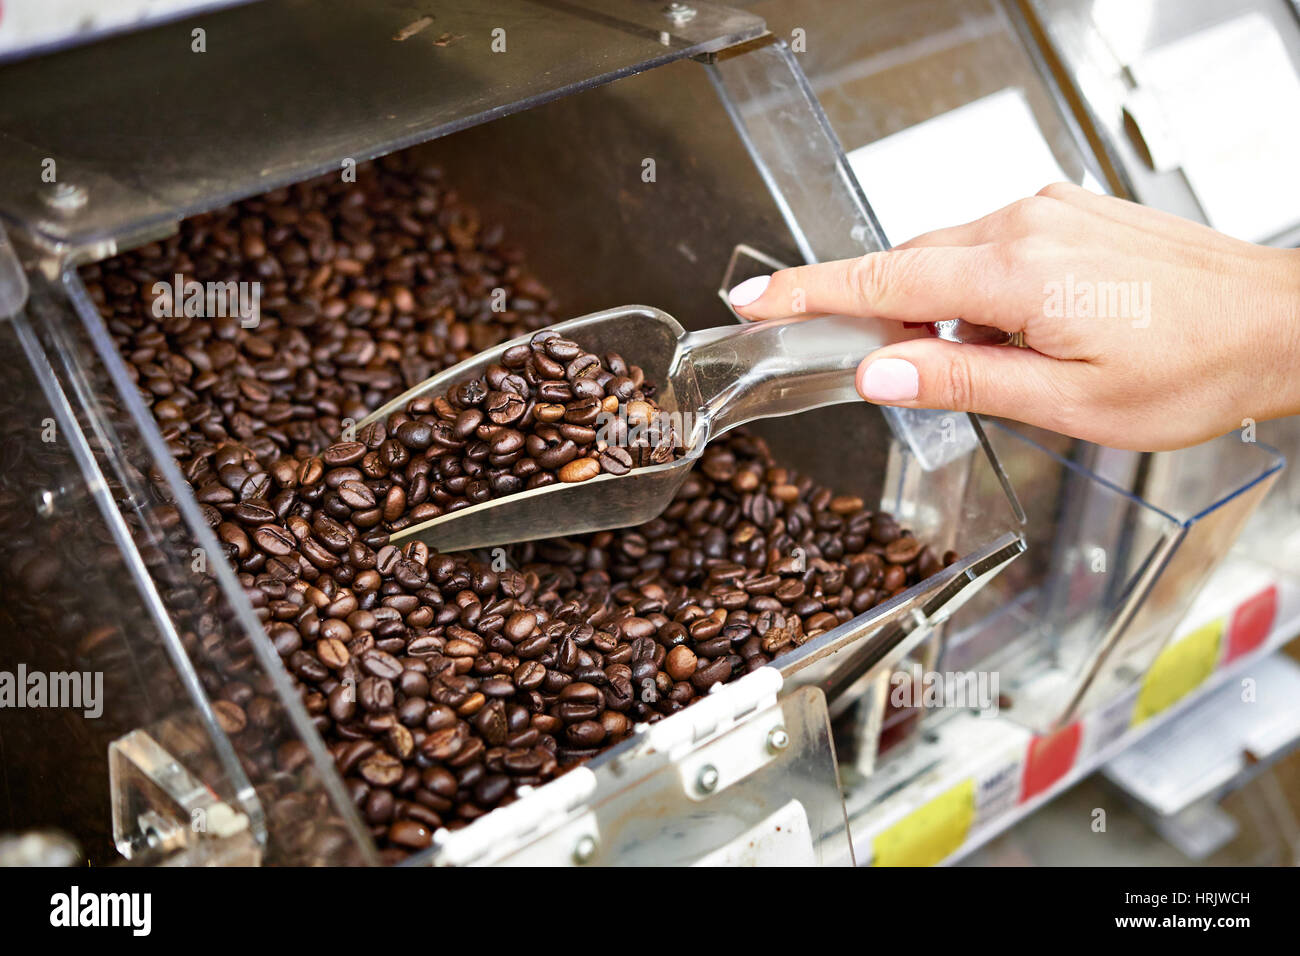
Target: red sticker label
[[1251, 623], [1048, 759]]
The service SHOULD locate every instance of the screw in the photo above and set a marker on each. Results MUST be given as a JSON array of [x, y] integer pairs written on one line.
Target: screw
[[707, 779], [679, 12], [65, 198], [777, 740], [585, 850], [45, 504]]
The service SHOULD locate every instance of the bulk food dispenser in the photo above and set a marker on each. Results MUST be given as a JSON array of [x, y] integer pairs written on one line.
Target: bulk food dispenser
[[643, 152]]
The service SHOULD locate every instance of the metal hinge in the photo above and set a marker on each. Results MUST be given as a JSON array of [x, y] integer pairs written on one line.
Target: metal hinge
[[536, 811], [724, 707]]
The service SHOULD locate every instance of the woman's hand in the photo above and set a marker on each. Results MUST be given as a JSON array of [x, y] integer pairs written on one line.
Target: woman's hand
[[1144, 330]]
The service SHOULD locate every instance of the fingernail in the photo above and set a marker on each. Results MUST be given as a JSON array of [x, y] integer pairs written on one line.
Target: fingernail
[[889, 380], [748, 291]]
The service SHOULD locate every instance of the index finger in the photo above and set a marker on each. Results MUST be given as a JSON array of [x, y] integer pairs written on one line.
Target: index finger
[[924, 284]]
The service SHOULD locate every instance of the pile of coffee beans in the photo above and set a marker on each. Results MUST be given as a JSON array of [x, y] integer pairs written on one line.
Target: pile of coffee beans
[[549, 413], [442, 683], [367, 289]]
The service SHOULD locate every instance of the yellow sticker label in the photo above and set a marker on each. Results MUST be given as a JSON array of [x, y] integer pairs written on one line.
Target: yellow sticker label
[[1179, 669], [929, 833]]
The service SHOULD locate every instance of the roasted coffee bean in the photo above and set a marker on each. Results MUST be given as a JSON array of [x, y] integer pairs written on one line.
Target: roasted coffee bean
[[504, 407], [343, 453], [547, 412], [520, 625], [375, 694], [681, 663], [254, 512], [586, 733], [356, 495], [582, 411], [580, 469], [333, 653], [410, 835], [615, 461], [414, 435], [274, 540], [529, 675], [903, 549], [230, 716], [381, 769], [342, 703]]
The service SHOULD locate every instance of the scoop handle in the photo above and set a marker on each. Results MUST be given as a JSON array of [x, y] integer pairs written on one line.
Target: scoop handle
[[782, 366]]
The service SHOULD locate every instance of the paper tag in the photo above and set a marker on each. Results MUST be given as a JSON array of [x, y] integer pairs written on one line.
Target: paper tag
[[930, 833], [1180, 668], [1230, 96], [956, 166]]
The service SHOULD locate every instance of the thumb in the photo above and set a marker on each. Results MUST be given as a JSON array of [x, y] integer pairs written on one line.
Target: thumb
[[987, 379]]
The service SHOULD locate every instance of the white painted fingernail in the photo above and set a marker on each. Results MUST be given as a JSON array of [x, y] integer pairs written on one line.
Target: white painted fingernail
[[889, 380], [748, 291]]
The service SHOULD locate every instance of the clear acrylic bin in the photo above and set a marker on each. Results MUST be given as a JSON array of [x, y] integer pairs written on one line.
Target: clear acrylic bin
[[184, 769], [1110, 571], [1273, 534]]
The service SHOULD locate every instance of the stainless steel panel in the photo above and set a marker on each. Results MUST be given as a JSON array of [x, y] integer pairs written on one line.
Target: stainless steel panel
[[287, 89]]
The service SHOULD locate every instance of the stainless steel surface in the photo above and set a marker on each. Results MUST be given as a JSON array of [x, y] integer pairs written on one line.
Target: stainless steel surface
[[709, 382], [168, 131]]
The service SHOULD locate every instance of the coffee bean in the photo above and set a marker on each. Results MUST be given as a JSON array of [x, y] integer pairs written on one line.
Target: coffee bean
[[903, 549], [581, 693], [274, 540], [504, 407], [381, 770], [529, 675], [343, 453], [580, 469], [356, 495], [230, 716], [586, 733], [515, 356], [410, 835], [681, 663], [378, 664], [520, 625], [615, 461], [333, 653], [254, 512], [583, 411], [415, 435]]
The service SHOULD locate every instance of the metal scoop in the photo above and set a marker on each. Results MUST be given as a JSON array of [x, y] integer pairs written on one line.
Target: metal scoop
[[708, 383]]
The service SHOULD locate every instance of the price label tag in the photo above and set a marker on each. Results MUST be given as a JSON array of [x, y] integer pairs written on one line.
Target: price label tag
[[1179, 669], [930, 833], [1049, 758], [1251, 623]]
